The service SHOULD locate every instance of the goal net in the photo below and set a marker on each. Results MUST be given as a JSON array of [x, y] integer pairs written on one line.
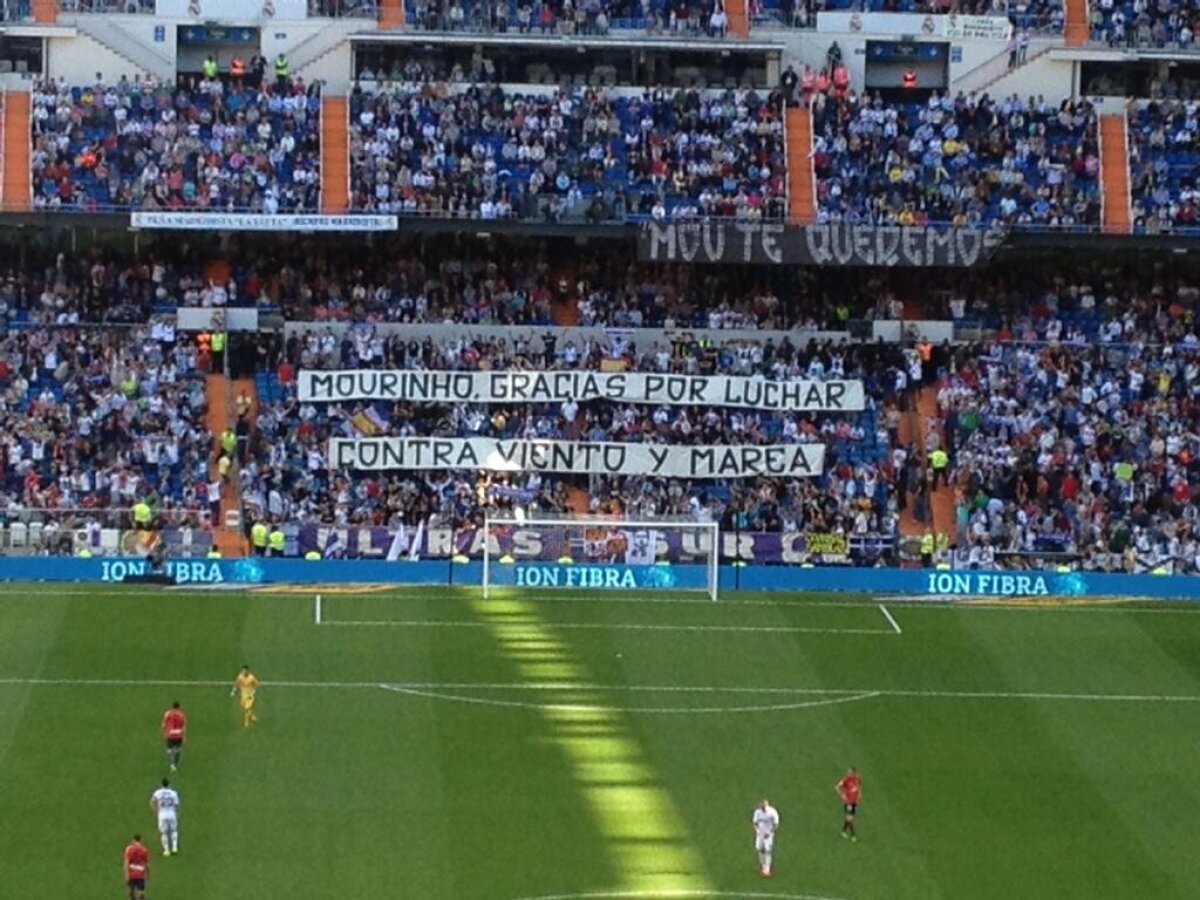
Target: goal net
[[600, 553]]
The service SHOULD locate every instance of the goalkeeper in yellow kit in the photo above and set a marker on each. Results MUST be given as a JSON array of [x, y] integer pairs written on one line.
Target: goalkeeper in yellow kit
[[245, 686]]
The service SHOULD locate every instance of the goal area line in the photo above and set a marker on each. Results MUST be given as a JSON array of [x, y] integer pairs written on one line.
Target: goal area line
[[321, 619]]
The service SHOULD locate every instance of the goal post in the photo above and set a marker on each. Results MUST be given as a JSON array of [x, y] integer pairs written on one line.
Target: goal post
[[600, 553]]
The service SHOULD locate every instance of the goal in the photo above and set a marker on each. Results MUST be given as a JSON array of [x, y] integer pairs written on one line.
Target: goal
[[600, 553]]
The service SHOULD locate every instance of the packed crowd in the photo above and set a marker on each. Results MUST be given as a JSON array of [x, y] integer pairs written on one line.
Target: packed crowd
[[98, 420], [211, 145], [566, 155], [961, 160], [468, 281], [1101, 302], [692, 18], [1164, 24], [1164, 157], [1035, 15], [1073, 435], [1085, 451], [288, 474]]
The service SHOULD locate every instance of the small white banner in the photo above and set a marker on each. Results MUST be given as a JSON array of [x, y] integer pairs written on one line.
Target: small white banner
[[557, 387], [218, 221], [983, 28], [915, 25], [205, 318], [667, 460]]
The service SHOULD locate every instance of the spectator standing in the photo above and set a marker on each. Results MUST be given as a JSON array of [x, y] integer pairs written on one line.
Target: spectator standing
[[258, 70], [237, 70], [717, 22], [833, 56], [787, 82]]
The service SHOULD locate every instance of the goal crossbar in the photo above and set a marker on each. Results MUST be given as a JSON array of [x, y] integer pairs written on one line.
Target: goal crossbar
[[708, 544]]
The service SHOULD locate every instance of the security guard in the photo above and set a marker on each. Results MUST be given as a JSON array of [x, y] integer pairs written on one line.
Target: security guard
[[228, 442], [927, 549], [258, 537], [214, 553], [85, 553], [282, 69], [142, 515], [210, 68], [276, 540], [218, 352], [941, 548], [939, 460], [313, 556], [237, 70]]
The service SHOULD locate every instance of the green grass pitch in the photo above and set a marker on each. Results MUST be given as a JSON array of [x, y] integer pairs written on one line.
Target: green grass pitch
[[429, 744]]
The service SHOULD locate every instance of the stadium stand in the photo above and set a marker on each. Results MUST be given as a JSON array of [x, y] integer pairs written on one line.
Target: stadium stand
[[957, 160], [1127, 23], [857, 496], [1164, 158], [567, 155], [203, 146]]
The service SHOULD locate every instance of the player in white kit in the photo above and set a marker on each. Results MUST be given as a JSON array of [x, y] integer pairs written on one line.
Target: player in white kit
[[766, 823], [165, 803]]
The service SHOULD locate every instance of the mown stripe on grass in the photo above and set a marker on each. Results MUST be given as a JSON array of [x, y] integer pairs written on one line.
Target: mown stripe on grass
[[635, 814]]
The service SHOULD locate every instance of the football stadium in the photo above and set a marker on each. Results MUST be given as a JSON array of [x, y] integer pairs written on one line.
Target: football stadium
[[583, 449]]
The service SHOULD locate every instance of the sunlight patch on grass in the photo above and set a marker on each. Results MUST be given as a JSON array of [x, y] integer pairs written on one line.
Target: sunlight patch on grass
[[644, 832]]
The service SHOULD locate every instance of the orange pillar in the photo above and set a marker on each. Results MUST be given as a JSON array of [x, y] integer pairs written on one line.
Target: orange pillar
[[1114, 174], [391, 14], [335, 156], [738, 18], [17, 185], [1076, 30], [45, 12], [802, 200]]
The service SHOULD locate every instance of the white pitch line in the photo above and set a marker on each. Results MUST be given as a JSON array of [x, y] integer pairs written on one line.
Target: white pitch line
[[585, 686], [601, 626], [891, 620], [1171, 606], [317, 610], [677, 895]]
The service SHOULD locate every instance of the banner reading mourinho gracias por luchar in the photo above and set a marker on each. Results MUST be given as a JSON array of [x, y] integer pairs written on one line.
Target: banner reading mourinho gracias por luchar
[[348, 385], [584, 458]]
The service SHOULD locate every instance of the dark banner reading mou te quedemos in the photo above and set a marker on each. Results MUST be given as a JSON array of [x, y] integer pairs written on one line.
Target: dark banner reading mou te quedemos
[[834, 244]]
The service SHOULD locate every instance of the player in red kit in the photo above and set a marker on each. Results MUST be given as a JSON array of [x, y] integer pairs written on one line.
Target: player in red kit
[[174, 730], [850, 790], [137, 867]]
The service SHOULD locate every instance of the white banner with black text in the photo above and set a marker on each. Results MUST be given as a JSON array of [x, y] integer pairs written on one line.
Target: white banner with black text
[[228, 221], [347, 385], [585, 458]]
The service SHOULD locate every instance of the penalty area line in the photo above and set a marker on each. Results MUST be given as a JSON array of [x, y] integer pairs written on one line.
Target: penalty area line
[[836, 698]]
